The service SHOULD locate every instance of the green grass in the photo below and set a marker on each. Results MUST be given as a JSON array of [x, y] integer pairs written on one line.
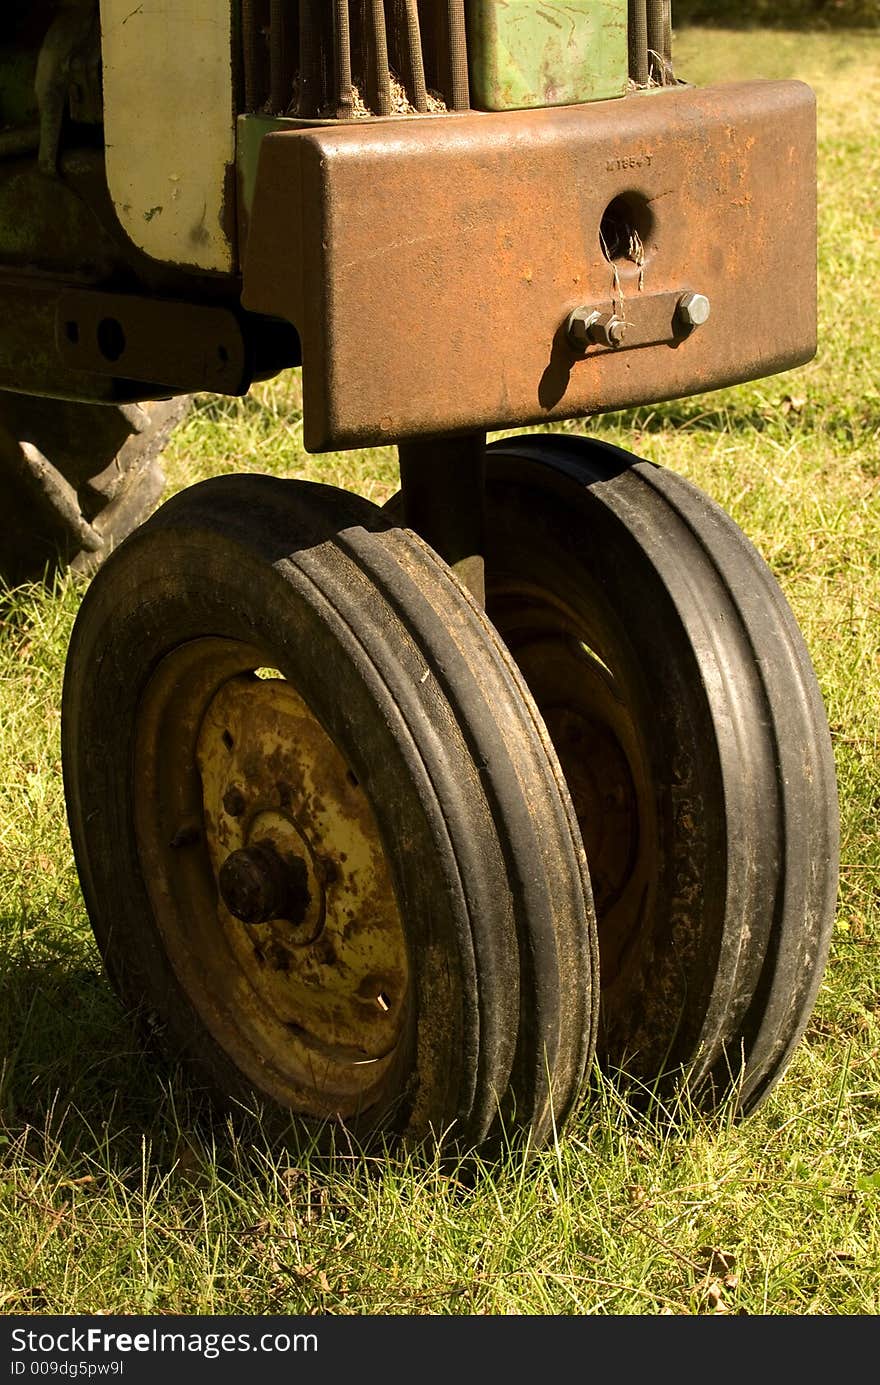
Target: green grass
[[794, 14], [118, 1193]]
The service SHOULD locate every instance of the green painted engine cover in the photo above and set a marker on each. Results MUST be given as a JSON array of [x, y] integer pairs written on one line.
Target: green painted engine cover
[[526, 53]]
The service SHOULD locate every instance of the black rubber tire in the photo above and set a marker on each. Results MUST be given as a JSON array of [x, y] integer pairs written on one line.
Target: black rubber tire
[[727, 729], [422, 699], [77, 479]]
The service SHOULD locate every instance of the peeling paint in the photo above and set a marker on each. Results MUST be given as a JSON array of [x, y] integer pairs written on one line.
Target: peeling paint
[[168, 97], [562, 52]]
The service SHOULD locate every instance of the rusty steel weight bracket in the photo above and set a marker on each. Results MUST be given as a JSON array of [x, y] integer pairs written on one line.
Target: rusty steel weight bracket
[[444, 301]]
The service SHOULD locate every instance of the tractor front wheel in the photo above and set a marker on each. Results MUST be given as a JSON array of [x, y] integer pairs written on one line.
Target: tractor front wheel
[[324, 840]]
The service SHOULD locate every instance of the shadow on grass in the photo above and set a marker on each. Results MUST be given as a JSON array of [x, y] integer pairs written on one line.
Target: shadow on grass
[[686, 416], [692, 415], [74, 1077], [777, 14], [86, 1095]]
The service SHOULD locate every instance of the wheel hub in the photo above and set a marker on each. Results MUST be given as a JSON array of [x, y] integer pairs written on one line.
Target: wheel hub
[[257, 884], [602, 793], [274, 876], [297, 859], [593, 734]]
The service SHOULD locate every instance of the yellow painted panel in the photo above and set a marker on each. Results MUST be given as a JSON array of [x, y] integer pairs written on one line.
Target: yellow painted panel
[[170, 126]]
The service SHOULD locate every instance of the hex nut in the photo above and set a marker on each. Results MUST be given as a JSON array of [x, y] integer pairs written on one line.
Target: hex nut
[[693, 310], [587, 327], [608, 329]]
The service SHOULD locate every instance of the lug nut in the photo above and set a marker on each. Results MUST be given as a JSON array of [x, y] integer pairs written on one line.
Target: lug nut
[[693, 310], [234, 802], [587, 327]]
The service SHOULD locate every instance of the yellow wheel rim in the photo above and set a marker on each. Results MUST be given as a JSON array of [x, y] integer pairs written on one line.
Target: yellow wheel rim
[[269, 881]]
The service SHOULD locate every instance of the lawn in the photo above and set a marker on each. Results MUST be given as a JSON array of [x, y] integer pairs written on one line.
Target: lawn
[[119, 1194]]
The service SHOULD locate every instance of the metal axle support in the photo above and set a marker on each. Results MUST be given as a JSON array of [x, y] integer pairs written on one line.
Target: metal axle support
[[442, 482]]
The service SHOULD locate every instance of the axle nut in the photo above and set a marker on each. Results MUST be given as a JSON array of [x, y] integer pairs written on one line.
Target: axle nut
[[257, 884], [693, 310]]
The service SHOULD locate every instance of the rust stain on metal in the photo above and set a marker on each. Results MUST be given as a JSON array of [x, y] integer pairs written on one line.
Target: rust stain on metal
[[316, 971], [418, 233]]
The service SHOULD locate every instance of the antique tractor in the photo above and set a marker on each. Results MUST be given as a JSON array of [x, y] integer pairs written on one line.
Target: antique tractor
[[396, 817]]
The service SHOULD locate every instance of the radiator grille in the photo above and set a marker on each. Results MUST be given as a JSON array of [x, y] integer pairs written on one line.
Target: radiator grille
[[650, 43], [325, 59]]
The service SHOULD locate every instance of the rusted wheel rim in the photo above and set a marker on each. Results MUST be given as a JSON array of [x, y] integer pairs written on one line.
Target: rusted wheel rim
[[269, 880], [571, 671]]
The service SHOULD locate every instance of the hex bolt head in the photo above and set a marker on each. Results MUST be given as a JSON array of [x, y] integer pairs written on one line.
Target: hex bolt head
[[578, 328], [693, 310]]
